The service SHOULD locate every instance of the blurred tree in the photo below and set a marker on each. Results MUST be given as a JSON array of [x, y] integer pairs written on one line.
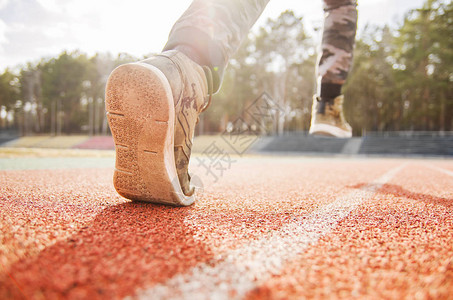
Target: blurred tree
[[63, 94], [279, 59], [424, 66], [33, 111], [401, 80], [98, 69], [370, 89], [283, 48], [9, 95], [9, 92], [64, 80]]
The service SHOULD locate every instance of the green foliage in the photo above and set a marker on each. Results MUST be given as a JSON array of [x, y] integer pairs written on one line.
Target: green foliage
[[401, 80], [278, 59], [60, 95], [9, 91]]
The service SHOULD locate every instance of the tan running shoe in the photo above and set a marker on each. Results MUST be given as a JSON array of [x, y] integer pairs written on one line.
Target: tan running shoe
[[153, 107], [328, 118]]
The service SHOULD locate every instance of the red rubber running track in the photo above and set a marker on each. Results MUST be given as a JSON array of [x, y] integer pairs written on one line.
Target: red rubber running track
[[267, 228]]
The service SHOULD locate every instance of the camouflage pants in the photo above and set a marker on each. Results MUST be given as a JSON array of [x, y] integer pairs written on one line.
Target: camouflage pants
[[215, 29]]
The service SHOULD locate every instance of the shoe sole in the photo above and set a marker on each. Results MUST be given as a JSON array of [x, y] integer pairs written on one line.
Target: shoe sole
[[329, 130], [141, 115]]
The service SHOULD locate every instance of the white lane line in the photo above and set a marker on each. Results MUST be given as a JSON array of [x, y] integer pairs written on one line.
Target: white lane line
[[241, 270], [448, 172]]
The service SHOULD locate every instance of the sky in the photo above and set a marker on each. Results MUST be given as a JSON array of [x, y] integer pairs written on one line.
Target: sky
[[33, 29]]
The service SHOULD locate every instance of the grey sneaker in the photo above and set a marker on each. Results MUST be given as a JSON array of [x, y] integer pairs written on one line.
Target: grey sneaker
[[327, 118], [153, 107]]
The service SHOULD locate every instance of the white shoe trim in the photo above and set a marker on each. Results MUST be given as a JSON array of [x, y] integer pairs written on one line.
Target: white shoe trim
[[329, 130]]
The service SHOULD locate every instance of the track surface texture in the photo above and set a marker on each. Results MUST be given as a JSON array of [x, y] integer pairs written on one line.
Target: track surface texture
[[262, 228]]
